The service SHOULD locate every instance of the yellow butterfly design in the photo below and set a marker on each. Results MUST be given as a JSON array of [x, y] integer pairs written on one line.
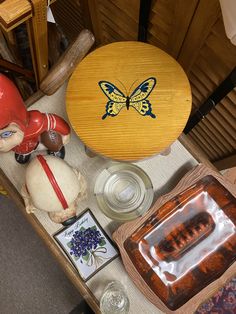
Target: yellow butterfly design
[[137, 99]]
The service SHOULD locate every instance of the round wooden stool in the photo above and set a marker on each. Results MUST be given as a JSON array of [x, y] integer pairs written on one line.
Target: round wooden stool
[[128, 100]]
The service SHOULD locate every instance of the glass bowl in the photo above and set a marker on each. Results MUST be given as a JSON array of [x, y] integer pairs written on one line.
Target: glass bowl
[[123, 191]]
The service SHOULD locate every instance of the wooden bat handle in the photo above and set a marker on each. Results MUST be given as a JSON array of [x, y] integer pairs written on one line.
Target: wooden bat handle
[[67, 62]]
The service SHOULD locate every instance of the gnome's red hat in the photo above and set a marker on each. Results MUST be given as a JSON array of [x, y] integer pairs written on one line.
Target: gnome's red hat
[[12, 108]]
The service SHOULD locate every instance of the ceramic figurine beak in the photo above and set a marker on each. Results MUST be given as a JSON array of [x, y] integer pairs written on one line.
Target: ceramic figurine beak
[[69, 221]]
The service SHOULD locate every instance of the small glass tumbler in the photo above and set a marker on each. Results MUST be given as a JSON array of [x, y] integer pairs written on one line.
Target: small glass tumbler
[[114, 299]]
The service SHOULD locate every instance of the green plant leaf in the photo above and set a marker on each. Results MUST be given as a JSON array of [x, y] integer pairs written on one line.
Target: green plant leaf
[[69, 244], [82, 229], [86, 257], [102, 242], [94, 227]]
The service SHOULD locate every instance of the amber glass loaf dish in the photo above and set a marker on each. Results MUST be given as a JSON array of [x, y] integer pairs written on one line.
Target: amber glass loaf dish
[[187, 243]]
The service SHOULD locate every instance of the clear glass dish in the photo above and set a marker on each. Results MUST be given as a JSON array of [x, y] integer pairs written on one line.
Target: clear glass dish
[[123, 191]]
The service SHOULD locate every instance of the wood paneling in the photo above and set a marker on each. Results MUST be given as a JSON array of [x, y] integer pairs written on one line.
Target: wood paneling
[[228, 162], [169, 22], [70, 16], [213, 57], [205, 17], [118, 20]]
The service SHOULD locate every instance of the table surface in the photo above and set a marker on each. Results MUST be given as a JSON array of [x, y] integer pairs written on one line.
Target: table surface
[[128, 100], [164, 171]]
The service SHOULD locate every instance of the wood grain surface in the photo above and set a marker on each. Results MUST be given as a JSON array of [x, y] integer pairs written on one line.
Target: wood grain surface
[[128, 135], [127, 229], [38, 39], [14, 12], [66, 64]]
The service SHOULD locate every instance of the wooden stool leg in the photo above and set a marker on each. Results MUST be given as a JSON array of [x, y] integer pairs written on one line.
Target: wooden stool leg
[[37, 32], [166, 152], [89, 153]]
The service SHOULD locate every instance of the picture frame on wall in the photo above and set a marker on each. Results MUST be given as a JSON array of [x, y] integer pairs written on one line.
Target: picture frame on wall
[[86, 244]]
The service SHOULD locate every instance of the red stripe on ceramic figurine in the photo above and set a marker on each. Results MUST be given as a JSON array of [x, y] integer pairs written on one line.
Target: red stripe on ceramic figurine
[[22, 130], [39, 191], [53, 181]]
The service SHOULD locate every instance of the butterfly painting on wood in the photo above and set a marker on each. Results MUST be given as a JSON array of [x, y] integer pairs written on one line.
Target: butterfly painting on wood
[[137, 100]]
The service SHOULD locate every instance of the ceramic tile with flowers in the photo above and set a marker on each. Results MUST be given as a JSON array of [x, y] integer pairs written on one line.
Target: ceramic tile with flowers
[[87, 245]]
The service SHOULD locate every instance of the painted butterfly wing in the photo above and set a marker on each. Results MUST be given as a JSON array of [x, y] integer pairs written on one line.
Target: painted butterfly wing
[[117, 100], [143, 107], [143, 90], [113, 108], [138, 98], [112, 92]]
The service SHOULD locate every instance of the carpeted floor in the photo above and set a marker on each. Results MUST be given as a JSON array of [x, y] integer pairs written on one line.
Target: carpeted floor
[[31, 282]]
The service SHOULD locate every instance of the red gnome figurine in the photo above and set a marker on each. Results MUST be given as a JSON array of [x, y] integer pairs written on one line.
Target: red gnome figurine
[[22, 130]]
